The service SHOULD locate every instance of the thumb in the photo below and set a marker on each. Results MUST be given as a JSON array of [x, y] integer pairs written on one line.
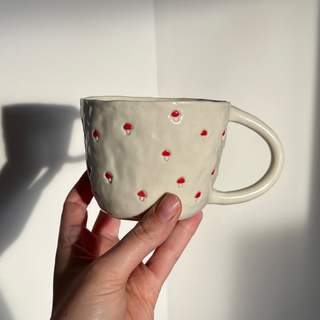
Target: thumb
[[149, 233]]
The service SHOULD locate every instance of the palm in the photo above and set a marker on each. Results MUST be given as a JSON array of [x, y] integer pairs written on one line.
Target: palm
[[142, 292], [139, 293]]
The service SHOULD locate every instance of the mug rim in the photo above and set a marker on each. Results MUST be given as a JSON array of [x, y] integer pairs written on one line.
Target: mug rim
[[146, 99]]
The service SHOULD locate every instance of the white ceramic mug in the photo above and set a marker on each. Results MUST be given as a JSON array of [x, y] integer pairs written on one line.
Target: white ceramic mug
[[138, 149]]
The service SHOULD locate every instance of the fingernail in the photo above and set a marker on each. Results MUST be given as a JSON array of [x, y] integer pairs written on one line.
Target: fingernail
[[168, 206]]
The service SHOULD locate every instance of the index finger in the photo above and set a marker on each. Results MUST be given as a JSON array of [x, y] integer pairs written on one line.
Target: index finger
[[75, 207]]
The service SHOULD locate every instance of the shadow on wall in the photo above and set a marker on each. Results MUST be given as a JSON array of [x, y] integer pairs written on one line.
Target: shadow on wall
[[268, 278], [37, 138], [312, 248], [280, 272]]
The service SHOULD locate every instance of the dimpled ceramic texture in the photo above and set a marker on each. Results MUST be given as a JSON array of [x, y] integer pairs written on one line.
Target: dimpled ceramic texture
[[138, 149]]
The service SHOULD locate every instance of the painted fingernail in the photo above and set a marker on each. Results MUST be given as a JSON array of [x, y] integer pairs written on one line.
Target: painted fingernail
[[168, 207]]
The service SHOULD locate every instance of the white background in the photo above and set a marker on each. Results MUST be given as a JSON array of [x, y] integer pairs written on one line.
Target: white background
[[256, 260]]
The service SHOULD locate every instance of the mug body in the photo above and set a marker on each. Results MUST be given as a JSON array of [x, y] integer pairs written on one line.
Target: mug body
[[138, 149]]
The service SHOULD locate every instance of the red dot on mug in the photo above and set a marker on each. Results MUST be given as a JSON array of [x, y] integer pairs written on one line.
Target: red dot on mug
[[109, 176], [176, 116], [142, 195], [180, 182], [96, 135], [128, 127], [166, 154], [175, 113], [204, 134]]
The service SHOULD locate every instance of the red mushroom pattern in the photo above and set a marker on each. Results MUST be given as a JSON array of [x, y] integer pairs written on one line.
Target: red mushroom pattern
[[96, 135], [128, 127], [166, 154], [175, 116], [180, 182], [204, 134], [198, 195], [142, 195], [109, 176]]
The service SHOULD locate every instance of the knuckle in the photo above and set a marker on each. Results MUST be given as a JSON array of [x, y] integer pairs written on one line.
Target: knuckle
[[143, 232], [106, 275]]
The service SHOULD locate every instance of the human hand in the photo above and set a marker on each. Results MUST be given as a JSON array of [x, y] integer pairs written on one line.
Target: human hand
[[99, 277]]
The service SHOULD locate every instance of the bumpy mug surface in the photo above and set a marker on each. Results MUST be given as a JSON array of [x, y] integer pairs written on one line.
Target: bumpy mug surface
[[138, 149]]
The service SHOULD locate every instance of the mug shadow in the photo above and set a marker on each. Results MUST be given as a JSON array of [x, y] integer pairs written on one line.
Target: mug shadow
[[37, 138]]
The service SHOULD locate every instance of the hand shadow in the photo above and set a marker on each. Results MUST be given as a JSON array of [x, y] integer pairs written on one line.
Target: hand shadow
[[37, 138]]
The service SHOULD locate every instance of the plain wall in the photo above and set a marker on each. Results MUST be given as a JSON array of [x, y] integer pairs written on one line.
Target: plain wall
[[256, 260]]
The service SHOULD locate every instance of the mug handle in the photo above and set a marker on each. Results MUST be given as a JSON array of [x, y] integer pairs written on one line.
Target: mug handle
[[273, 172]]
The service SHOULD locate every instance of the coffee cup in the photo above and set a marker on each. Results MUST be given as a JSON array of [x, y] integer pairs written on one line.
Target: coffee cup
[[138, 149]]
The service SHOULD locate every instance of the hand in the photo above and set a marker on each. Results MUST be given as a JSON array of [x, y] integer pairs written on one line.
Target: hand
[[99, 277]]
